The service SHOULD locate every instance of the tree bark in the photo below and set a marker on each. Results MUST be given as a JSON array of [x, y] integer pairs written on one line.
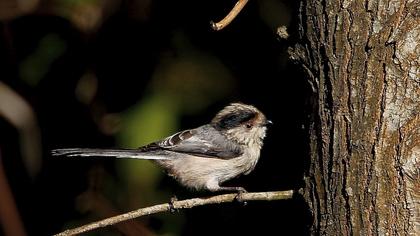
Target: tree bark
[[363, 64]]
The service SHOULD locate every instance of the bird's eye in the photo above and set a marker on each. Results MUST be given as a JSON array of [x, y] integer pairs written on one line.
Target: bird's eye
[[248, 126]]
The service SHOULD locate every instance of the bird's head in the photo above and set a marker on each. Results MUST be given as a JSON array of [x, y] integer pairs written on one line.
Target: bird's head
[[242, 123]]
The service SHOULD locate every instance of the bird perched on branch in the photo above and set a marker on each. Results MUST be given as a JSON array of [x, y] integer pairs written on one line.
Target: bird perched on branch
[[205, 157]]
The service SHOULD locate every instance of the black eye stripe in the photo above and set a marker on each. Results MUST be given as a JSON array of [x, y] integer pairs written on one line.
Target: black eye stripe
[[236, 119]]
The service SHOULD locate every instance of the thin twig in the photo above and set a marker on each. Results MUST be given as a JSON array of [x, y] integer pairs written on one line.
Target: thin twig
[[183, 204], [232, 14]]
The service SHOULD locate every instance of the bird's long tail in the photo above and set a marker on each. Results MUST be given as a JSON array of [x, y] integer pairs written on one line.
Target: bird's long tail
[[117, 153]]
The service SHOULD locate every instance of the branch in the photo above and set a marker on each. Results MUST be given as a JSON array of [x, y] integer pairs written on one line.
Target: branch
[[232, 14], [183, 204]]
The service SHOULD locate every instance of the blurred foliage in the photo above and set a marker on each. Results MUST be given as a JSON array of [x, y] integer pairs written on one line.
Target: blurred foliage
[[86, 88], [10, 9], [192, 79], [36, 65]]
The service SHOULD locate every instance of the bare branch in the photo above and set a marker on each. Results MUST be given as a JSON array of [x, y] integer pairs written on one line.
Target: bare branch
[[232, 14], [183, 204]]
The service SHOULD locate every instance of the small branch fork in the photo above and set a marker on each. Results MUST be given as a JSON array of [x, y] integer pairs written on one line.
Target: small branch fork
[[183, 204], [229, 17]]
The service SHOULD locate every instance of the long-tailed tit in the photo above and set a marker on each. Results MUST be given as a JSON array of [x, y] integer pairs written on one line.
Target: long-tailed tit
[[204, 157]]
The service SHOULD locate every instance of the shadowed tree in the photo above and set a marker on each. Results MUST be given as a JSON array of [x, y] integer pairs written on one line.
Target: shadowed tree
[[363, 64]]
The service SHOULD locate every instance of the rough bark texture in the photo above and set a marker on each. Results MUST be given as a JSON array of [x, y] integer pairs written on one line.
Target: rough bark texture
[[363, 62]]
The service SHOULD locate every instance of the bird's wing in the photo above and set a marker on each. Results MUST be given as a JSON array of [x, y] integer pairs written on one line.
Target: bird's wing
[[202, 142]]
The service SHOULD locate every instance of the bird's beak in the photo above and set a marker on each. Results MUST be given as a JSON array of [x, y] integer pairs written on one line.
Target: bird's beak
[[268, 122]]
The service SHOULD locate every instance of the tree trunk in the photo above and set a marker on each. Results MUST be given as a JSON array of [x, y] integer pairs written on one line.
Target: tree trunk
[[363, 63]]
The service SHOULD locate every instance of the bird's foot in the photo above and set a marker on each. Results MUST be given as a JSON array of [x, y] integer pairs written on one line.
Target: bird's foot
[[172, 208], [239, 197]]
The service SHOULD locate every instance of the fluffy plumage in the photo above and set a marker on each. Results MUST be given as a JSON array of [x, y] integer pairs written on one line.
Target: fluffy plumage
[[204, 157]]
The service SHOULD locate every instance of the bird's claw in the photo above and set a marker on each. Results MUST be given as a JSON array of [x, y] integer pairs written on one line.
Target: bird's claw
[[172, 208], [239, 196]]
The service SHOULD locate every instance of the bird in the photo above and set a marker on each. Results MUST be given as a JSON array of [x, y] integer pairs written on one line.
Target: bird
[[205, 157]]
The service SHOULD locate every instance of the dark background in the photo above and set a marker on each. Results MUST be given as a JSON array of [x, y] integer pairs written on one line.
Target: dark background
[[124, 73]]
